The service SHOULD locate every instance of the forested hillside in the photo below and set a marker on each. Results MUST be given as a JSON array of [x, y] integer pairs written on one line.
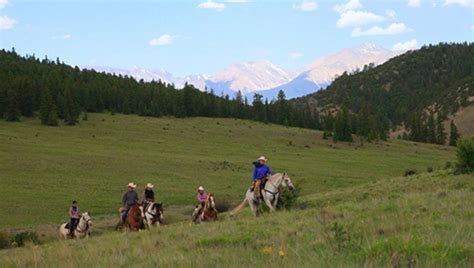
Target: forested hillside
[[54, 91], [416, 91]]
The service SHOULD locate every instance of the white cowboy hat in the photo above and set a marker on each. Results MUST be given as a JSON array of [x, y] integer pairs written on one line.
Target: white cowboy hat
[[262, 158], [200, 188], [149, 185], [131, 184]]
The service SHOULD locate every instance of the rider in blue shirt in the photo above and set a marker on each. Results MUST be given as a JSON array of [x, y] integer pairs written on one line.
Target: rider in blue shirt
[[260, 172]]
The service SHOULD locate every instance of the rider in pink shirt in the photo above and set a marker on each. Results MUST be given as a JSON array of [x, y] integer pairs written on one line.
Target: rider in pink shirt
[[201, 199]]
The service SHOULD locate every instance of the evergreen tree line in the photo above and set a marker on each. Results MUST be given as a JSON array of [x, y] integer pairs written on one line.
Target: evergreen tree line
[[54, 91], [376, 100]]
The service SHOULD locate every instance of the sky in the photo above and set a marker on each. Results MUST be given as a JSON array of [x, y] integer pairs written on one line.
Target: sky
[[202, 37]]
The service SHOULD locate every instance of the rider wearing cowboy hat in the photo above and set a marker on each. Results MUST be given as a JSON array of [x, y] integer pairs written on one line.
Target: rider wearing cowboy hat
[[201, 199], [129, 199], [260, 172], [148, 196]]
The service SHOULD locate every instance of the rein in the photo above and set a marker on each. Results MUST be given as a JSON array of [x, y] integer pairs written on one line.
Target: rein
[[87, 227], [278, 188]]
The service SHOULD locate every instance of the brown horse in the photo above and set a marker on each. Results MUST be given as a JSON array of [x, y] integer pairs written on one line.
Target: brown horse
[[134, 218], [209, 212]]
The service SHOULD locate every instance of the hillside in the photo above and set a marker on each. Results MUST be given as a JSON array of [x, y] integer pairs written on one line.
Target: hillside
[[405, 90], [93, 161], [424, 220]]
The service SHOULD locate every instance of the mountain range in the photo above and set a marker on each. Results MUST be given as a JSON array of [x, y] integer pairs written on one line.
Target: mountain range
[[265, 78]]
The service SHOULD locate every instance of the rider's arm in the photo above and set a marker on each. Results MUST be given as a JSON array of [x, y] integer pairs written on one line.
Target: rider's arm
[[124, 200], [269, 172]]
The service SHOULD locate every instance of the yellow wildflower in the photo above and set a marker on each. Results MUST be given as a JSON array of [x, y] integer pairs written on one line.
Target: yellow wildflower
[[281, 253], [268, 250]]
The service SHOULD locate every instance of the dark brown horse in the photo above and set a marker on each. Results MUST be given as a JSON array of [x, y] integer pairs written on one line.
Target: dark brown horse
[[209, 212]]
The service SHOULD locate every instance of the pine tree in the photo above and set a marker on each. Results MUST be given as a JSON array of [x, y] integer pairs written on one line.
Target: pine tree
[[48, 113], [71, 112], [453, 134], [342, 128], [12, 111], [440, 133], [431, 128]]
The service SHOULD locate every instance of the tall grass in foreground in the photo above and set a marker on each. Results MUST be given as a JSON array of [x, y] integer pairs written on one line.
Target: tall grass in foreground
[[422, 220]]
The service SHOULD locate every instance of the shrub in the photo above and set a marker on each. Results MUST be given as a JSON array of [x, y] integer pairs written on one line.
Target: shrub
[[222, 205], [448, 165], [429, 169], [288, 198], [21, 238], [465, 155], [4, 241], [409, 172]]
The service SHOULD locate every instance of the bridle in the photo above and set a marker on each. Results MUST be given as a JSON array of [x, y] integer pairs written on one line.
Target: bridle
[[274, 194], [154, 215], [86, 223]]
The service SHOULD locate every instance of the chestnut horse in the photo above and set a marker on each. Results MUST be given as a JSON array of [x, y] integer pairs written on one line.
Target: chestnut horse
[[134, 218], [208, 213]]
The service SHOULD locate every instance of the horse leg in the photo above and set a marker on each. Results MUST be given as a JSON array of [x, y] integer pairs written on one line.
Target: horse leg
[[269, 204], [253, 207]]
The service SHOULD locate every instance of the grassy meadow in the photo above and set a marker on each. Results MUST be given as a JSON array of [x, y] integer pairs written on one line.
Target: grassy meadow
[[44, 168], [423, 220], [355, 208]]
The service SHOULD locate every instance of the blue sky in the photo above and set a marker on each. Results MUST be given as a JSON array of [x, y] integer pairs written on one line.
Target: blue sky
[[190, 37]]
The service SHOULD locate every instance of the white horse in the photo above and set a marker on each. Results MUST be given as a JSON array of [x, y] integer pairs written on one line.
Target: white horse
[[82, 229], [270, 194], [153, 215]]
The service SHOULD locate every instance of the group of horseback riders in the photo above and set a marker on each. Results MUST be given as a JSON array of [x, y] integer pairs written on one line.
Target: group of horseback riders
[[130, 197]]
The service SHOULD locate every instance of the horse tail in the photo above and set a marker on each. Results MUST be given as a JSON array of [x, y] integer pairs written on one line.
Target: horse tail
[[239, 207]]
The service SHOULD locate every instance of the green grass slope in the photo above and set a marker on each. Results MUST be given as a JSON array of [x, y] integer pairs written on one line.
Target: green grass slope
[[424, 220], [44, 168]]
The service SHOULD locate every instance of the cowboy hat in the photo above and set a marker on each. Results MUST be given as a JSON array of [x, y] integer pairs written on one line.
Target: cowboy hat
[[132, 185], [200, 188], [149, 185], [262, 158]]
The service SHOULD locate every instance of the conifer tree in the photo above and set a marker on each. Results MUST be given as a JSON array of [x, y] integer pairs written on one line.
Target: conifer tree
[[431, 128], [12, 111], [453, 134], [48, 113], [440, 133], [71, 112]]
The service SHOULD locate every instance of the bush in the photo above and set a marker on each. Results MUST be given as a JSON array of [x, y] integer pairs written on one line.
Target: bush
[[4, 241], [409, 172], [448, 165], [465, 155], [21, 238], [288, 198], [429, 169], [222, 205]]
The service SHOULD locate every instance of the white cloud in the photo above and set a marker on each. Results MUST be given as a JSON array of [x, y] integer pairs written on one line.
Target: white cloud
[[237, 1], [405, 46], [295, 55], [464, 3], [163, 40], [357, 18], [7, 23], [390, 13], [414, 3], [63, 37], [394, 28], [3, 3], [212, 5], [351, 5], [306, 6], [472, 27]]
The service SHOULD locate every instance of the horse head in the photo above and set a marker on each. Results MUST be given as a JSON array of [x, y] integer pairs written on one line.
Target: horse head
[[157, 208], [211, 201], [86, 218], [287, 181]]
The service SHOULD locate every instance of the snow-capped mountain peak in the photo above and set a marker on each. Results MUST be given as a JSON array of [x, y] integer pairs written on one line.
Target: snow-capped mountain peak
[[251, 76]]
